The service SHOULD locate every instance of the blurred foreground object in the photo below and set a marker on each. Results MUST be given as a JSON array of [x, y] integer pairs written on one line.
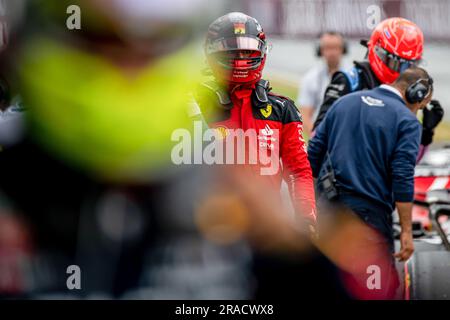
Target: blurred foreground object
[[114, 90], [93, 179]]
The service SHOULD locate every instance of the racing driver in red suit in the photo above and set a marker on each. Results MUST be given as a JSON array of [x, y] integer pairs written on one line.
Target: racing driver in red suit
[[237, 98]]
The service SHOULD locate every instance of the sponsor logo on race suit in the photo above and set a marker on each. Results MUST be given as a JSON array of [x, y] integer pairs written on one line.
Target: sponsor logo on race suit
[[372, 102], [266, 139]]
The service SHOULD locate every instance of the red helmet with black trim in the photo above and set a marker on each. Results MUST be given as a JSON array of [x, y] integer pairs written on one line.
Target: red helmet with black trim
[[395, 45], [236, 48]]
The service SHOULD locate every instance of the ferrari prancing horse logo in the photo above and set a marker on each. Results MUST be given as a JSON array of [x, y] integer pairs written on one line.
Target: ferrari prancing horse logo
[[266, 112]]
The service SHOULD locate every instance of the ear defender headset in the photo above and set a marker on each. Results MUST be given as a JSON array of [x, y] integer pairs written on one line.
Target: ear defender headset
[[334, 33], [419, 91]]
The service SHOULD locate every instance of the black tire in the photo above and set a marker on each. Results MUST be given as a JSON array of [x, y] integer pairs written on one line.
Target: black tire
[[430, 276]]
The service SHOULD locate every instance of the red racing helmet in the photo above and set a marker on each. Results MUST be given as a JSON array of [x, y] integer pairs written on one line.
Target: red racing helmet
[[236, 49], [395, 45]]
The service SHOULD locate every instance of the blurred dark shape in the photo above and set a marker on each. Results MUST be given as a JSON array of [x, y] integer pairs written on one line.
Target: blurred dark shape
[[286, 265], [5, 94], [151, 242], [121, 78], [359, 252], [15, 249]]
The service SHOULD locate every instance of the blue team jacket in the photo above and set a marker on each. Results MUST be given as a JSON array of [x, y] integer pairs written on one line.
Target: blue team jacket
[[373, 140]]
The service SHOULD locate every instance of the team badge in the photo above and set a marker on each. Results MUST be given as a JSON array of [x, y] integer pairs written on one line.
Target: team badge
[[267, 111]]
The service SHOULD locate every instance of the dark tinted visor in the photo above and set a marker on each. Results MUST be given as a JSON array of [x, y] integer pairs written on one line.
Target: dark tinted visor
[[394, 62]]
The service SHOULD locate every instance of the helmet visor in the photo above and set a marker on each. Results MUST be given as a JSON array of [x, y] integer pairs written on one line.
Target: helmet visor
[[238, 59], [394, 62], [236, 43]]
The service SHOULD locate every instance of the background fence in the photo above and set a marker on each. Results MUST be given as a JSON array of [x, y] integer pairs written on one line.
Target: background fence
[[354, 18]]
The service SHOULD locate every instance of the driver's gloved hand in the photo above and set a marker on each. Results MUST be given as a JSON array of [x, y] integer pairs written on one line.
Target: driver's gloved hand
[[431, 118]]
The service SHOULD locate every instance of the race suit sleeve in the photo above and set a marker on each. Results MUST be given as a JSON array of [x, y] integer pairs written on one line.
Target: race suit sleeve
[[404, 161], [338, 87], [317, 148], [296, 167]]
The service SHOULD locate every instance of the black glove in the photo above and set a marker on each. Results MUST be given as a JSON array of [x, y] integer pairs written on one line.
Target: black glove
[[431, 119]]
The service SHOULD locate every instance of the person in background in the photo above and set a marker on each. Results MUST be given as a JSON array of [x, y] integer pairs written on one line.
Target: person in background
[[364, 155], [331, 48]]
